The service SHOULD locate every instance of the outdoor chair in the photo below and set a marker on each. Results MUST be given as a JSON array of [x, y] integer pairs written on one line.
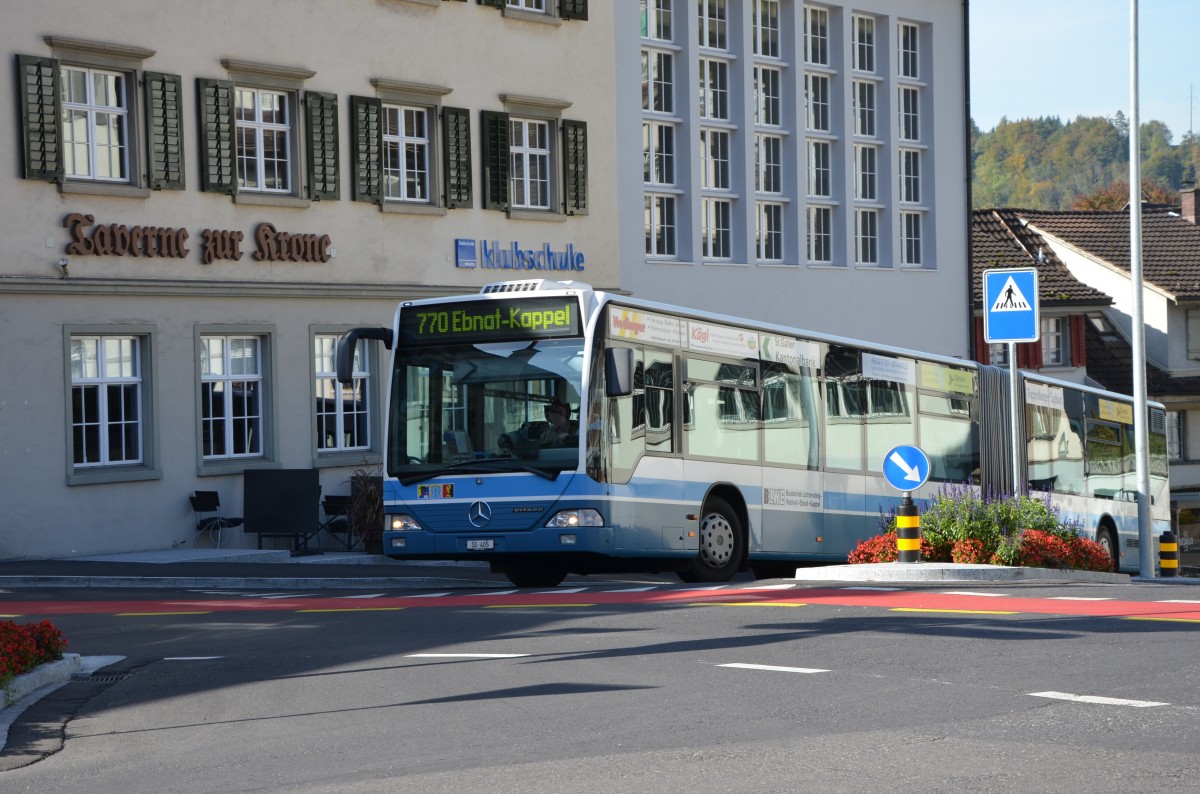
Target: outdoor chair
[[206, 506]]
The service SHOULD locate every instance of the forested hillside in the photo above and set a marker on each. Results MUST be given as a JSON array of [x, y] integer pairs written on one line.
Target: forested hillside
[[1049, 164]]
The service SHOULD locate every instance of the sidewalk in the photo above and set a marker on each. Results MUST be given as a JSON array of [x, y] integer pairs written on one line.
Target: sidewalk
[[278, 570]]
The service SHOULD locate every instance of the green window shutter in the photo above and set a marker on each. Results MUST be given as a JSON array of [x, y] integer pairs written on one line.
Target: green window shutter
[[456, 157], [573, 9], [495, 160], [366, 133], [164, 130], [217, 136], [324, 181], [41, 118], [574, 135]]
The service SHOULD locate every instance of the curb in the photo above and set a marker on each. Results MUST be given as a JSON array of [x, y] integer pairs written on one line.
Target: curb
[[952, 572], [58, 672], [225, 582]]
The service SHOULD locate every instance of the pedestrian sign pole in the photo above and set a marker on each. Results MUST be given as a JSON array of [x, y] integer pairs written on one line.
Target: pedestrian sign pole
[[1010, 314]]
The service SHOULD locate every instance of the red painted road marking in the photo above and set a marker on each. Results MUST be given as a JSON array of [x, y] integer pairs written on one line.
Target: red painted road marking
[[903, 599]]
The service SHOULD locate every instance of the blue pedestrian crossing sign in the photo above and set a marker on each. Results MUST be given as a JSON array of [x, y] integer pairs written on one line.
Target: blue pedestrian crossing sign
[[906, 468], [1010, 305]]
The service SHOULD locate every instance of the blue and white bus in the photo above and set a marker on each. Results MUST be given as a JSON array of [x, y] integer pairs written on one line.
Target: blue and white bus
[[701, 443]]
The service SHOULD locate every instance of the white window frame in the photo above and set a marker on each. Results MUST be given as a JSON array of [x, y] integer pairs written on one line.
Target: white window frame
[[816, 102], [998, 354], [98, 375], [912, 232], [661, 231], [768, 96], [816, 36], [910, 113], [862, 45], [765, 28], [714, 159], [716, 233], [92, 116], [908, 43], [768, 164], [253, 445], [531, 166], [713, 27], [1176, 427], [820, 168], [866, 172], [714, 89], [1193, 334], [658, 81], [863, 97], [768, 231], [252, 163], [399, 139], [910, 176], [658, 152], [532, 6], [819, 234], [1056, 341], [327, 388], [657, 19], [866, 236]]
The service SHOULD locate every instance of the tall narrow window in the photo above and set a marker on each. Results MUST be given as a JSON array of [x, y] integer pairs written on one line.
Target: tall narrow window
[[816, 102], [910, 54], [863, 44], [866, 236], [910, 176], [342, 411], [910, 113], [712, 28], [820, 235], [106, 400], [714, 151], [714, 89], [658, 153], [863, 98], [1056, 347], [263, 124], [658, 81], [767, 96], [816, 36], [769, 232], [765, 23], [910, 238], [820, 168], [1175, 436], [715, 229], [529, 148], [95, 124], [406, 153], [866, 170], [656, 19], [231, 396], [660, 225], [768, 159]]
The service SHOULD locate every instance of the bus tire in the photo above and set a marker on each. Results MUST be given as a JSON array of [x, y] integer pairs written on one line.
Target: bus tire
[[773, 570], [543, 577], [1108, 541], [722, 545]]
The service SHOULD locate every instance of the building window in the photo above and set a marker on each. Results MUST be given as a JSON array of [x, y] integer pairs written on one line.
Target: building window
[[820, 168], [768, 242], [820, 235], [909, 57], [658, 153], [263, 131], [866, 237], [660, 225], [816, 36], [863, 44], [768, 164], [866, 171], [658, 81], [715, 230], [1175, 435], [656, 20], [998, 353], [816, 102], [766, 28], [406, 166], [529, 150], [910, 114], [231, 396], [910, 176], [536, 6], [714, 168], [714, 89], [767, 103], [106, 400], [910, 238], [863, 97], [95, 113], [1193, 334], [1056, 343], [342, 411], [712, 26]]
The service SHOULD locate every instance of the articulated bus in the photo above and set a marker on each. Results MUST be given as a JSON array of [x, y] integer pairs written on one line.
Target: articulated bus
[[705, 444]]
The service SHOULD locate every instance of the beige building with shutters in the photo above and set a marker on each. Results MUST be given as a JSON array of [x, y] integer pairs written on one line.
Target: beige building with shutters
[[203, 196]]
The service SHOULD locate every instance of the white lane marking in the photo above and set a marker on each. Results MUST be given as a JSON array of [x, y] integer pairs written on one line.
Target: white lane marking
[[465, 655], [970, 593], [634, 589], [190, 658], [1078, 598], [498, 592], [368, 595], [289, 595], [1178, 601], [430, 595], [880, 589], [561, 590], [773, 587], [710, 587], [1141, 704], [774, 668]]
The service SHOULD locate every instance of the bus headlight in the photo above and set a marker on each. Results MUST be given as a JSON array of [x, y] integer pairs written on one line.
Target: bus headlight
[[586, 517], [404, 523]]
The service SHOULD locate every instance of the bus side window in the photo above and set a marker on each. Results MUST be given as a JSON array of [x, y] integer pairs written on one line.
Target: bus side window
[[628, 421]]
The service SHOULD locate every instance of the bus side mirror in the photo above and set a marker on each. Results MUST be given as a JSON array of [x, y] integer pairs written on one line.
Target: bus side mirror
[[618, 371], [345, 349]]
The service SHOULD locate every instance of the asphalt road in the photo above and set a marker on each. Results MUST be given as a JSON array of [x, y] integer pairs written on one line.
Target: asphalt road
[[623, 686]]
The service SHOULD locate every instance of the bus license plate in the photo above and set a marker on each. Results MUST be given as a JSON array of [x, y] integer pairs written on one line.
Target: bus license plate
[[480, 545]]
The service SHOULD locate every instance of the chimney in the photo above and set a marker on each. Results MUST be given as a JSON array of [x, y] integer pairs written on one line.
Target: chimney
[[1187, 204]]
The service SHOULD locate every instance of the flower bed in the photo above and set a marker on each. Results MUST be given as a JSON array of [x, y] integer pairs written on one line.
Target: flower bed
[[23, 647], [957, 525]]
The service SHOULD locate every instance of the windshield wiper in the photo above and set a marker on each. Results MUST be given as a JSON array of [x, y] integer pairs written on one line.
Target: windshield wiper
[[481, 464]]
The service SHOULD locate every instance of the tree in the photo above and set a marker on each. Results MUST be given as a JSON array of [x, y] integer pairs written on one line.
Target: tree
[[1115, 196]]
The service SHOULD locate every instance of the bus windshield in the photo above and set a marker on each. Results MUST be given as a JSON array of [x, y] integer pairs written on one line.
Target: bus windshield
[[488, 407]]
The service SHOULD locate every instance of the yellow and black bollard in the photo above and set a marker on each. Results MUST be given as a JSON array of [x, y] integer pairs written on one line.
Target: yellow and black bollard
[[1168, 554], [908, 531]]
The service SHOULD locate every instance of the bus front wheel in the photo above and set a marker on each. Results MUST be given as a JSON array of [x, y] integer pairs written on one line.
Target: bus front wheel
[[721, 543], [545, 577], [1108, 542]]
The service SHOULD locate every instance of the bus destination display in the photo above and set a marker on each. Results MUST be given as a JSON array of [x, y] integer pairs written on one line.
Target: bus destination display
[[499, 320]]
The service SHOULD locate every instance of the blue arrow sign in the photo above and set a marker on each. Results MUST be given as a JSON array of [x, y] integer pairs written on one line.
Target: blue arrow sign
[[906, 468], [1010, 305]]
